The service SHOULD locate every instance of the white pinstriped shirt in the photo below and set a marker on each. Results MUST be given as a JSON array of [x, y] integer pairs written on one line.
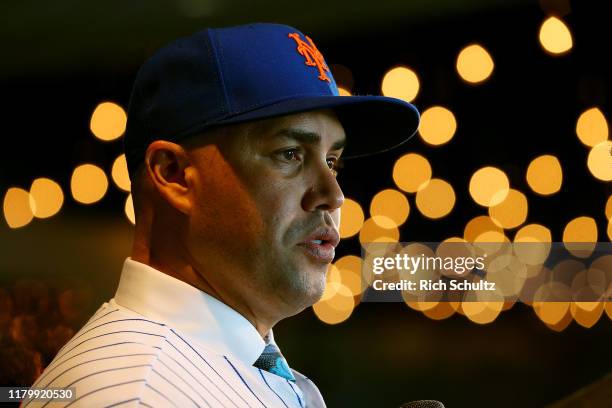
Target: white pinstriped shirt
[[161, 342]]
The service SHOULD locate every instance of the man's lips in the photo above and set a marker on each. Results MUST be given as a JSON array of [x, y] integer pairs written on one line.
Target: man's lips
[[321, 244]]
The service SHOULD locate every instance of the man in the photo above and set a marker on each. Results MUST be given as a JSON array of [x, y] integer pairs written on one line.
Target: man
[[232, 142]]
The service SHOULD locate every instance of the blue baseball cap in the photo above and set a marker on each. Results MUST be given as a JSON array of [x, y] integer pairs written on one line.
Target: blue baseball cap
[[245, 73]]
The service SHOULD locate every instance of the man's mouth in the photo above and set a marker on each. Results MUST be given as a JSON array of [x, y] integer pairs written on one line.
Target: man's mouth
[[321, 244]]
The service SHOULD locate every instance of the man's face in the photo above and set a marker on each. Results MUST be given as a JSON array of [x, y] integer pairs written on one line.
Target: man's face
[[266, 211]]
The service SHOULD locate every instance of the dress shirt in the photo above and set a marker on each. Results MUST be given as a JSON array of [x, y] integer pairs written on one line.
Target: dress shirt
[[161, 342]]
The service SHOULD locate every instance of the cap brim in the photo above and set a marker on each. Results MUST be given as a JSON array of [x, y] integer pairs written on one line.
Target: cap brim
[[373, 124]]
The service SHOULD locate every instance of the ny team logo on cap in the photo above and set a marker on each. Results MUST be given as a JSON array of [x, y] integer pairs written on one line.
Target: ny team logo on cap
[[312, 55]]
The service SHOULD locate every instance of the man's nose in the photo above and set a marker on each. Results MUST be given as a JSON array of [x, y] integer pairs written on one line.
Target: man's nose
[[324, 192]]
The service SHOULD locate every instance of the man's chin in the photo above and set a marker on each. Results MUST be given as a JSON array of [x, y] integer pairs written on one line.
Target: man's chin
[[304, 293]]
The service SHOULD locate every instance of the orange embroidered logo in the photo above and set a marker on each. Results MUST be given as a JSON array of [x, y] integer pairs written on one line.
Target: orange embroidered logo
[[313, 57]]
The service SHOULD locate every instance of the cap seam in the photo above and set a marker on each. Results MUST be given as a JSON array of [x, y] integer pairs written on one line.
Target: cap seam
[[215, 49]]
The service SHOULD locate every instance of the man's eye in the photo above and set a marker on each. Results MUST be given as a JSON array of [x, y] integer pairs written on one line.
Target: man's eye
[[290, 155], [334, 165]]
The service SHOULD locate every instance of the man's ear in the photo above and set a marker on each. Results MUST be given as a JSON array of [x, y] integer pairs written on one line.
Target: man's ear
[[166, 165]]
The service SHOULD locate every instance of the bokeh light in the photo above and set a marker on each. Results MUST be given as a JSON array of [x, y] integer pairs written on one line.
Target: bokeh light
[[555, 37], [17, 210], [411, 171], [438, 125], [599, 161], [47, 196], [561, 324], [373, 232], [435, 199], [108, 121], [349, 268], [351, 218], [389, 204], [533, 233], [532, 244], [120, 173], [334, 307], [474, 64], [544, 175], [129, 209], [441, 310], [586, 314], [551, 313], [511, 212], [401, 83], [333, 276], [489, 186], [88, 184], [479, 310], [478, 226], [580, 230], [608, 209], [592, 127]]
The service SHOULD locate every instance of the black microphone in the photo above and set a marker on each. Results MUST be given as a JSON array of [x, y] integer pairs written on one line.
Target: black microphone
[[423, 404]]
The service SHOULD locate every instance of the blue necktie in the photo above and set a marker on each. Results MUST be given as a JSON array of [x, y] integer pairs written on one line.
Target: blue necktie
[[273, 361]]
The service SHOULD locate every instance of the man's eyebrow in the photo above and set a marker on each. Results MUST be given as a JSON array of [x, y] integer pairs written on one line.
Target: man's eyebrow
[[307, 137]]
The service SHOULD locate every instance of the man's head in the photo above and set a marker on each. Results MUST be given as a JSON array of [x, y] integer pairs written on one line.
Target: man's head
[[253, 208], [231, 141]]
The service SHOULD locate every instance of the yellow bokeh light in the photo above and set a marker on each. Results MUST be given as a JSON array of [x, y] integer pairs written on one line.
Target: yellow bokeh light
[[120, 173], [17, 210], [474, 64], [533, 233], [511, 212], [373, 232], [351, 218], [544, 175], [333, 274], [592, 127], [47, 196], [478, 226], [337, 307], [88, 184], [600, 161], [411, 171], [561, 324], [349, 268], [435, 199], [343, 91], [580, 230], [609, 208], [491, 242], [532, 244], [489, 186], [108, 121], [401, 83], [389, 204], [586, 314], [555, 37], [438, 125], [441, 310], [129, 209], [482, 312], [551, 312]]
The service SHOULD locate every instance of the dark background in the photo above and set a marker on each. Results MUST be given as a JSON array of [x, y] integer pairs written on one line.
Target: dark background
[[60, 59]]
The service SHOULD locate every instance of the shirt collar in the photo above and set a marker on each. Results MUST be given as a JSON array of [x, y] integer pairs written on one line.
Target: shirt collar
[[201, 317]]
